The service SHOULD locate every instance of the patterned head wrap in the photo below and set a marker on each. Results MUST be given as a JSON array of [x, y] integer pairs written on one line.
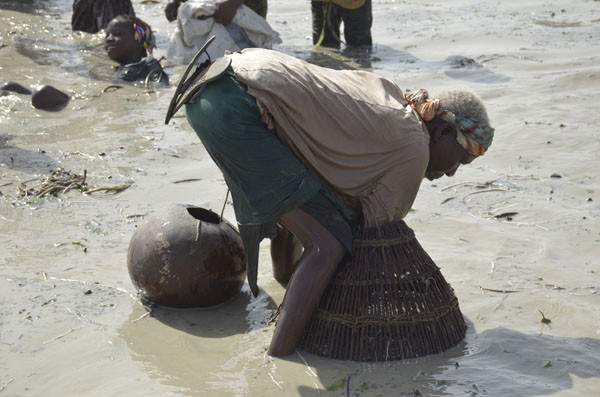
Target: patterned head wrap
[[144, 35], [475, 136]]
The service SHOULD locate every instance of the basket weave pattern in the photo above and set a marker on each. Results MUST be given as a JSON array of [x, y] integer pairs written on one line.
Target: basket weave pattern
[[391, 303]]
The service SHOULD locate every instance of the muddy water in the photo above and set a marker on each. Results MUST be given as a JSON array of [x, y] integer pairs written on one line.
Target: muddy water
[[70, 323]]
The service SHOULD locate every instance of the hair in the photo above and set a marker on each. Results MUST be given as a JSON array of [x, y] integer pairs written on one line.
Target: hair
[[141, 30], [464, 102]]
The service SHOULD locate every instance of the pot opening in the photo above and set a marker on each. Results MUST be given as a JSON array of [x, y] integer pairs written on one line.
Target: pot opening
[[204, 215]]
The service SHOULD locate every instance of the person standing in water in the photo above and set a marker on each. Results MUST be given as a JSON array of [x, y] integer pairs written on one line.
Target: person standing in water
[[322, 152], [328, 15], [128, 42]]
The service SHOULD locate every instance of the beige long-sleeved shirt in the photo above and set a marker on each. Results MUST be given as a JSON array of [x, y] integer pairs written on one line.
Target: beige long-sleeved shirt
[[354, 129]]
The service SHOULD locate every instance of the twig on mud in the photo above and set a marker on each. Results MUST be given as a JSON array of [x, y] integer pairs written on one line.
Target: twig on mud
[[70, 280], [415, 378], [135, 216], [188, 180], [115, 189], [310, 372], [455, 185], [308, 367], [502, 291], [63, 335], [493, 263], [81, 317], [141, 317], [113, 87], [274, 381], [89, 156], [348, 385], [6, 383]]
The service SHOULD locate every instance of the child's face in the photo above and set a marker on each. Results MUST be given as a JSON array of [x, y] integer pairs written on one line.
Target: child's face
[[120, 44]]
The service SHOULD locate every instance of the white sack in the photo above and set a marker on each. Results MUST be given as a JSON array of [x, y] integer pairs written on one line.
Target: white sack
[[191, 32]]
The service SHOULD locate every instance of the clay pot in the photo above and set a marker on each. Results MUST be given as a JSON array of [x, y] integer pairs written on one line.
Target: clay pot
[[184, 256]]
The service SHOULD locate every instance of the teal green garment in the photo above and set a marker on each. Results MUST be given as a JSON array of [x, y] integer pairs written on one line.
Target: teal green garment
[[265, 177]]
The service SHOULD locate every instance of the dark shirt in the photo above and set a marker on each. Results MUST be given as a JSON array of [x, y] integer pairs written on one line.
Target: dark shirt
[[146, 69]]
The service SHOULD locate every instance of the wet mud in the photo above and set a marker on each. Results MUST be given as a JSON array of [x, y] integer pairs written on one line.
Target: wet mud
[[515, 233]]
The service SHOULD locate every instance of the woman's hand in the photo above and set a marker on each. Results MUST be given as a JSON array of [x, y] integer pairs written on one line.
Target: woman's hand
[[226, 10], [171, 10]]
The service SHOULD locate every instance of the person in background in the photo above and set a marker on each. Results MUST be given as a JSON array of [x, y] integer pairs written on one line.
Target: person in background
[[225, 9], [128, 42], [327, 16], [94, 15]]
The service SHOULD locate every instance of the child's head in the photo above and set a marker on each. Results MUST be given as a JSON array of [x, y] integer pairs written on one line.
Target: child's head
[[128, 38]]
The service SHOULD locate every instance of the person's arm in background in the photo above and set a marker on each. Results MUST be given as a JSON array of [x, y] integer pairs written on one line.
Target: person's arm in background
[[226, 10], [224, 14], [171, 9]]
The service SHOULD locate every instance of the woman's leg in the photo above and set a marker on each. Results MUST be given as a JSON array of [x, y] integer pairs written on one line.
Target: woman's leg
[[328, 25], [357, 26], [321, 256], [285, 252]]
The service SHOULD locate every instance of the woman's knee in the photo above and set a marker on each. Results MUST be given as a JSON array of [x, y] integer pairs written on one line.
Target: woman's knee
[[316, 240]]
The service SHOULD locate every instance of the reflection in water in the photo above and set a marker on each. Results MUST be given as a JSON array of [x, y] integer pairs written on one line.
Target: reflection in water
[[218, 321], [84, 59], [457, 66], [196, 349], [468, 69], [22, 160], [496, 362], [326, 58], [521, 364], [229, 353]]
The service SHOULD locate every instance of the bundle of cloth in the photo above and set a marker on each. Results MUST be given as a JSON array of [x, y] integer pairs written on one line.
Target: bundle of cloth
[[195, 25]]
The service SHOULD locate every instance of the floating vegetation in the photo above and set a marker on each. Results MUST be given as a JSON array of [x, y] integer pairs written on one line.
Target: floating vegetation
[[114, 189], [35, 191], [501, 291], [544, 319], [112, 87], [336, 386], [58, 182], [507, 215]]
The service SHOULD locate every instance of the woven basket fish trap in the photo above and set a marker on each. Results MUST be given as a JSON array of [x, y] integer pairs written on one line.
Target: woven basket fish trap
[[391, 303]]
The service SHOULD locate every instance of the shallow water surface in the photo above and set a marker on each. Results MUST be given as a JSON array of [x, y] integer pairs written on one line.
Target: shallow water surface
[[516, 233]]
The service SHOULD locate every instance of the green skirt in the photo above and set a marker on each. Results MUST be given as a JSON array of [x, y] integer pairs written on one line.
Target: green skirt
[[265, 177]]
